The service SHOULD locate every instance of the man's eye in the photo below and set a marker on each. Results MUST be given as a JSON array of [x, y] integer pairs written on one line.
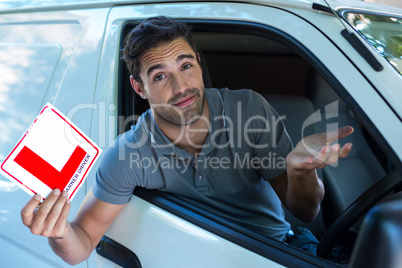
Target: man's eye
[[159, 77], [187, 66]]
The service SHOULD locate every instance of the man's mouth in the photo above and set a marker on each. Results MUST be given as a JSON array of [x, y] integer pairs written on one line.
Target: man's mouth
[[186, 101]]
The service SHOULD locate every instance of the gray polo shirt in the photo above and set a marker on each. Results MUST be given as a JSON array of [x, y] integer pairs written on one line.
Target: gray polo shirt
[[246, 146]]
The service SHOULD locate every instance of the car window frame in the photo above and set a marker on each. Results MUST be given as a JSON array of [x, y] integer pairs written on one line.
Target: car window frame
[[266, 247]]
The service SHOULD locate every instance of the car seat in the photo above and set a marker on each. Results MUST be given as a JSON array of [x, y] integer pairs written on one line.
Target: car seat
[[345, 182], [294, 111]]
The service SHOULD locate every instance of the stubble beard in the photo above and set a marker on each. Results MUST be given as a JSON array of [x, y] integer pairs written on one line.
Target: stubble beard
[[181, 117]]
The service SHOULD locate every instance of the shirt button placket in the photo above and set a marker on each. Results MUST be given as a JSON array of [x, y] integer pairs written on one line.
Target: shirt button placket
[[199, 180]]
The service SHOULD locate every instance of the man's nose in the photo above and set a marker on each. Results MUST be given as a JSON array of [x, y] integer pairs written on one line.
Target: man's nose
[[180, 84]]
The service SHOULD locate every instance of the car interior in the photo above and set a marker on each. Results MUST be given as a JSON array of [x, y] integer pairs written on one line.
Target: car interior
[[310, 100]]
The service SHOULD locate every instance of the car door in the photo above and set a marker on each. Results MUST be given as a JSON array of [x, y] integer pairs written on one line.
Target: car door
[[159, 230]]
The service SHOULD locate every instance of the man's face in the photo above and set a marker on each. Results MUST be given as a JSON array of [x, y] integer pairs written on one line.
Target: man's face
[[172, 82]]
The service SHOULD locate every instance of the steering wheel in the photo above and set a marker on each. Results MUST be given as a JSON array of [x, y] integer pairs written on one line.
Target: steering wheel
[[357, 209]]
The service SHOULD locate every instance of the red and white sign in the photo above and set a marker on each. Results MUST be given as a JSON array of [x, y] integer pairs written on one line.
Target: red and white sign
[[53, 153]]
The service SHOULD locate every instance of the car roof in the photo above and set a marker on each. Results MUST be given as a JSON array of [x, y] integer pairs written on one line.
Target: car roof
[[13, 6]]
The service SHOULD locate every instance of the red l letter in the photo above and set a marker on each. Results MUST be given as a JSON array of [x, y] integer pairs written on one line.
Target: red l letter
[[45, 172]]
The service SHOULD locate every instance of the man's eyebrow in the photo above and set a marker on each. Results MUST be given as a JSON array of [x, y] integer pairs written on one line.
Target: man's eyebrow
[[154, 67], [161, 66], [184, 56]]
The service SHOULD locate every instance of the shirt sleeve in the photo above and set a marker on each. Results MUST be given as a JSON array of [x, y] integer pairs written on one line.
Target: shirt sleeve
[[115, 179], [269, 138]]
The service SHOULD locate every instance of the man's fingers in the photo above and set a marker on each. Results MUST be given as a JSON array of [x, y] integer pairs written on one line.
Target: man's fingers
[[54, 214], [38, 225], [326, 156], [51, 217], [60, 226], [333, 155], [27, 212], [345, 150], [323, 153], [324, 150], [47, 205], [345, 131], [339, 134]]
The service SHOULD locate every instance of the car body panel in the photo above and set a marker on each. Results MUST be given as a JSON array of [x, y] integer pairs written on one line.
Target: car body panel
[[22, 5], [149, 231], [46, 57], [74, 47]]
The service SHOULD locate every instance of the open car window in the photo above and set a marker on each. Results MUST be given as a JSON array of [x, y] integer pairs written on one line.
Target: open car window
[[298, 85]]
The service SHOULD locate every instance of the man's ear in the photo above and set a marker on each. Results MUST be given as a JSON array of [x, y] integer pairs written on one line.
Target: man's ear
[[137, 87]]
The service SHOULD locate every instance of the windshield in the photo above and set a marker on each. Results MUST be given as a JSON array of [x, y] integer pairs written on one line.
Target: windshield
[[383, 33]]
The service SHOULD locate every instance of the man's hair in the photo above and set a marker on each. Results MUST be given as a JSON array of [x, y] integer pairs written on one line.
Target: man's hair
[[151, 33]]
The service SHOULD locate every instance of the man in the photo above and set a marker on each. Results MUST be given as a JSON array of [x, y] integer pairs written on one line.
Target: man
[[187, 131]]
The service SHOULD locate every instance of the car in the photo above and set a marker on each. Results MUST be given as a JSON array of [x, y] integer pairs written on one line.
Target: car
[[320, 64]]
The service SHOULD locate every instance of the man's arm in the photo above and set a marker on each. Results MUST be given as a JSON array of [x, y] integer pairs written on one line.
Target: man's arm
[[301, 194], [74, 241], [300, 190]]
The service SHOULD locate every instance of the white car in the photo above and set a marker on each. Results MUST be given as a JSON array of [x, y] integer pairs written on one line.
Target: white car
[[321, 66]]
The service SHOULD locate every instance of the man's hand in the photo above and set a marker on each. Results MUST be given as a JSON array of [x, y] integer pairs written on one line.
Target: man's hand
[[317, 151], [305, 191], [74, 241], [50, 218]]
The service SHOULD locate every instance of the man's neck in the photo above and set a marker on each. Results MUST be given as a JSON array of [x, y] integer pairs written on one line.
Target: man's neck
[[190, 137]]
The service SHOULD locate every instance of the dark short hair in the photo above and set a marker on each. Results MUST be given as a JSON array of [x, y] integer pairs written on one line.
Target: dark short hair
[[151, 33]]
